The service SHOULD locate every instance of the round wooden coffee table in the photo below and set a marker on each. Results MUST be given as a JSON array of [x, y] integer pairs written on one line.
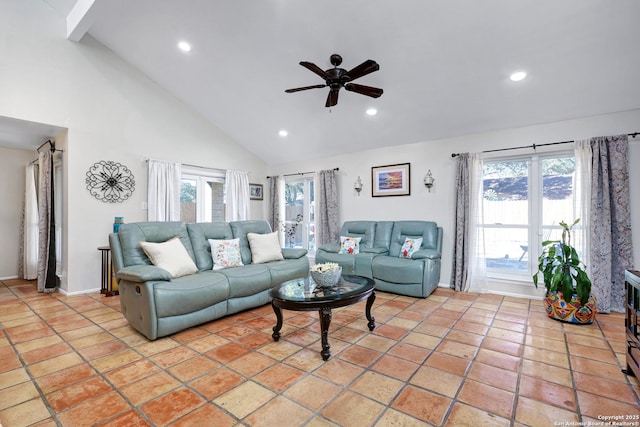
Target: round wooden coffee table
[[306, 295]]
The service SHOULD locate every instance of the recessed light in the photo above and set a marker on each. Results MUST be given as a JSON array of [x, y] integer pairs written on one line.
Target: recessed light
[[517, 76], [283, 132], [372, 111], [184, 46]]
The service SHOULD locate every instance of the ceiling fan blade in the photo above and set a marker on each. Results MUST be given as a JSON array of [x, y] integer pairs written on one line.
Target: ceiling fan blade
[[373, 92], [332, 98], [367, 67], [313, 67], [298, 89]]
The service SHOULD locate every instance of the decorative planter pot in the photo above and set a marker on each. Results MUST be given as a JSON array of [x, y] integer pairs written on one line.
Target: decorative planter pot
[[571, 312]]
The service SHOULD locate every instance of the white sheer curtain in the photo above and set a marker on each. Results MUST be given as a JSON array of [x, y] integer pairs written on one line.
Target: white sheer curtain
[[163, 192], [477, 272], [582, 199], [30, 242], [237, 196]]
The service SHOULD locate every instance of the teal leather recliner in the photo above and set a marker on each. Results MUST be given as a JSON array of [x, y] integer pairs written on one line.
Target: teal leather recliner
[[379, 255], [157, 305]]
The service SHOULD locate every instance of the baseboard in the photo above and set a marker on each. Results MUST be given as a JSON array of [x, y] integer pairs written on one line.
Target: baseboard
[[82, 292], [9, 278]]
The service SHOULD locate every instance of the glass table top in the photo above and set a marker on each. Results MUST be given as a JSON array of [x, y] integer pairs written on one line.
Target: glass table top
[[306, 290]]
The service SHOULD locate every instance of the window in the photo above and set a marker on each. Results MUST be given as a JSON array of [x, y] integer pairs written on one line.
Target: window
[[202, 195], [299, 223], [524, 200]]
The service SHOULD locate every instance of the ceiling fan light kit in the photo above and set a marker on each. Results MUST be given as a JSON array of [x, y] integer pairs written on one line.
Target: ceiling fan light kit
[[336, 78]]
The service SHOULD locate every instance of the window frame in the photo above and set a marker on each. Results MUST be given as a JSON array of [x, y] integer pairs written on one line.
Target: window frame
[[306, 224], [203, 176], [535, 228]]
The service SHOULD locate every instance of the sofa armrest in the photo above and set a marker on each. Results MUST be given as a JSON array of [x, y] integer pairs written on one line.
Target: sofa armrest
[[426, 254], [375, 250], [143, 273], [293, 253], [330, 247]]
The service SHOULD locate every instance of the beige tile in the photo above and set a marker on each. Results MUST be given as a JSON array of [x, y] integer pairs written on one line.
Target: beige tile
[[16, 394], [534, 413], [53, 365], [351, 409], [377, 387], [25, 414], [244, 399], [13, 377], [393, 418], [465, 415], [312, 392], [115, 360], [276, 410], [441, 382]]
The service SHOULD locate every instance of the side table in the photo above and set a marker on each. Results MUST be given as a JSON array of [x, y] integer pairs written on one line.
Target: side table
[[107, 279]]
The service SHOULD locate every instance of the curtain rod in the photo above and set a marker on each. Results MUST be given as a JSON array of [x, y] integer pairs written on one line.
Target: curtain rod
[[299, 173], [188, 165], [632, 135], [52, 145]]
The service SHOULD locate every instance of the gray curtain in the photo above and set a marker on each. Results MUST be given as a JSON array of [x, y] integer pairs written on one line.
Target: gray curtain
[[460, 267], [46, 234], [274, 202], [326, 214], [610, 219]]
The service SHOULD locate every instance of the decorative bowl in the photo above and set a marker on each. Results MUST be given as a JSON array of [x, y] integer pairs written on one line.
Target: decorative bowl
[[326, 279]]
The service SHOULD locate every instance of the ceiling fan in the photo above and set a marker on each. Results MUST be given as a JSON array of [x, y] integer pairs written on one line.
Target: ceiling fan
[[337, 78]]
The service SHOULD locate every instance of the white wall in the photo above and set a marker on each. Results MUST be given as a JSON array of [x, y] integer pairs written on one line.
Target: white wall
[[12, 181], [438, 205], [112, 112]]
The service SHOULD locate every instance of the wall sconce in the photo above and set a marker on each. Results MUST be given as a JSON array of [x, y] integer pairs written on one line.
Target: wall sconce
[[429, 180], [358, 185]]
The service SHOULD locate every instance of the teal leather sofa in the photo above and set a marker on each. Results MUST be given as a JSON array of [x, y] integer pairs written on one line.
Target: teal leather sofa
[[157, 305], [379, 255]]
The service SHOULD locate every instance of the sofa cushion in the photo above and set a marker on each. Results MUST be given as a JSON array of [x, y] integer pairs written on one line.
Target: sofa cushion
[[364, 229], [397, 270], [264, 247], [130, 236], [402, 229], [225, 253], [200, 233], [171, 256], [349, 245], [190, 293], [247, 280]]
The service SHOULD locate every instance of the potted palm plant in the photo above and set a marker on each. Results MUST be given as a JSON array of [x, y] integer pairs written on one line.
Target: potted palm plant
[[568, 297]]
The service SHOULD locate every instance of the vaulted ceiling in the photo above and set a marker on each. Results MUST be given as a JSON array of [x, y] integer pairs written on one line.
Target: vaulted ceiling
[[444, 65]]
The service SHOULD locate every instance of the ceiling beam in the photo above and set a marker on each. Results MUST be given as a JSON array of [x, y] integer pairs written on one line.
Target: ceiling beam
[[80, 19]]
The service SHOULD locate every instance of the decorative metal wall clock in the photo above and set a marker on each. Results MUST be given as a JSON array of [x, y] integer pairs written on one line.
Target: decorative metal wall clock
[[110, 182]]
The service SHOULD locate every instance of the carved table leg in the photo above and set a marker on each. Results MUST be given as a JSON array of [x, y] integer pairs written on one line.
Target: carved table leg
[[372, 320], [325, 320], [276, 329]]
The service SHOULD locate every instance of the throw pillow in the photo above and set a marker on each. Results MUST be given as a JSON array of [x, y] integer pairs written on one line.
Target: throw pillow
[[225, 253], [410, 246], [349, 245], [264, 247], [171, 256]]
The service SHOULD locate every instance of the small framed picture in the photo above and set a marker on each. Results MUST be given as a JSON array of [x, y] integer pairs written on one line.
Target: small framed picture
[[255, 192], [391, 180]]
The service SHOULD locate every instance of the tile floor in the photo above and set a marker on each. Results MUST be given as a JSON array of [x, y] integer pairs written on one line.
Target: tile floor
[[449, 360]]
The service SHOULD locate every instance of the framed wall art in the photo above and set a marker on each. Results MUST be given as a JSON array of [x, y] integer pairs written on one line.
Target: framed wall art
[[391, 180], [255, 192]]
